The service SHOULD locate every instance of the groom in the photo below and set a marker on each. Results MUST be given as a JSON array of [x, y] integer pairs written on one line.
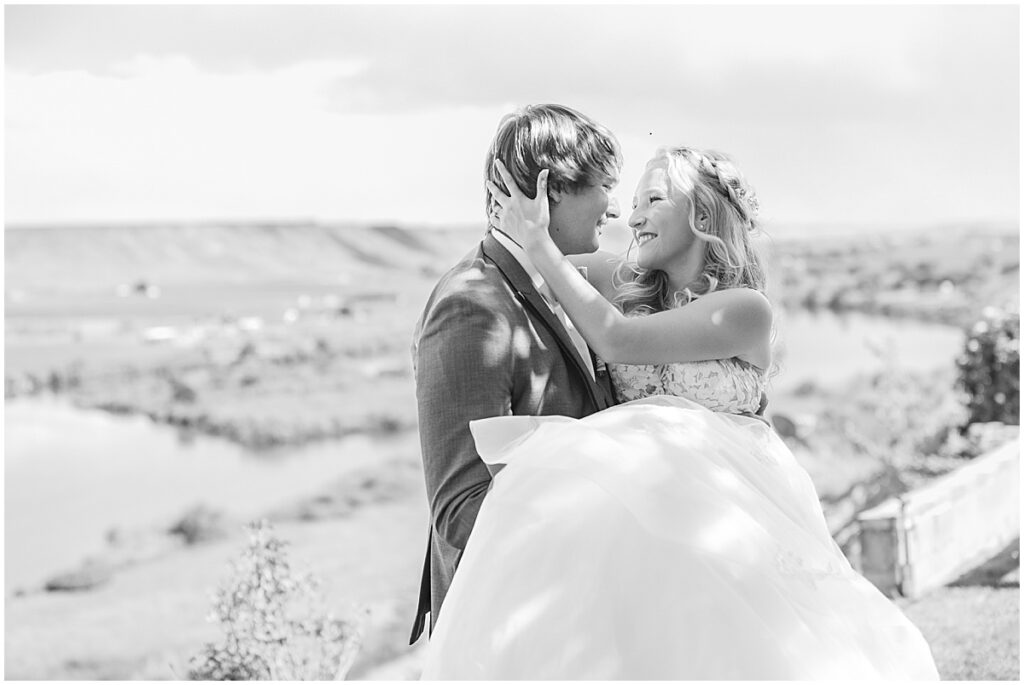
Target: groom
[[492, 341]]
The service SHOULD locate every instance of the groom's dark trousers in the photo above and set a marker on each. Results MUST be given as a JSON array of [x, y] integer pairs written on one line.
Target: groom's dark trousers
[[486, 345]]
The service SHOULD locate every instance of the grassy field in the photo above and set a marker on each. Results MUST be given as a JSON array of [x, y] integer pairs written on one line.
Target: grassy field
[[223, 328], [223, 342], [974, 632], [939, 275]]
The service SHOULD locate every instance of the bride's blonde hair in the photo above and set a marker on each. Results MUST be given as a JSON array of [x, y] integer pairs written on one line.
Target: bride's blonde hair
[[716, 189]]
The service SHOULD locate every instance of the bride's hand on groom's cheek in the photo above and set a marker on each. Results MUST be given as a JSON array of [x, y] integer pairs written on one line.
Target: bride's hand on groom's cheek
[[521, 218]]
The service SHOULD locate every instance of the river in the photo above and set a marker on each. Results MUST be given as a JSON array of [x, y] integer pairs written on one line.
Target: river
[[828, 348], [72, 474]]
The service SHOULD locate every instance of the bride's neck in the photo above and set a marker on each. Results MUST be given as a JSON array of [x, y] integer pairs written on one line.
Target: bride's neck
[[687, 273]]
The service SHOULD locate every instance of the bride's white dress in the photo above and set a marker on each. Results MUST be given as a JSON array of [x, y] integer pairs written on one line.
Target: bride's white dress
[[664, 538]]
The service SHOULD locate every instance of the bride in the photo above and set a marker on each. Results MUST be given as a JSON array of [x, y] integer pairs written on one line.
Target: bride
[[673, 536]]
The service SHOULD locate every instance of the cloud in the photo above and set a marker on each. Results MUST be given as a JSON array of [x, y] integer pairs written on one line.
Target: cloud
[[384, 111], [421, 55], [158, 137]]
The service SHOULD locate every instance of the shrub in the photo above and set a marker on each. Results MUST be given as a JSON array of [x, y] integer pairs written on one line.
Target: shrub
[[274, 623], [181, 391], [200, 524], [914, 415], [989, 368]]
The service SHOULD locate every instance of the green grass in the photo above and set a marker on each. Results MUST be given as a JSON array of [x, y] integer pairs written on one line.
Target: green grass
[[974, 632]]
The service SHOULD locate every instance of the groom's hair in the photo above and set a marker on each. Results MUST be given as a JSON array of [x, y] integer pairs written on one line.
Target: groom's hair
[[577, 150]]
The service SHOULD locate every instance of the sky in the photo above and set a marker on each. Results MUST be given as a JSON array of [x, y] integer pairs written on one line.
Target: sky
[[837, 115]]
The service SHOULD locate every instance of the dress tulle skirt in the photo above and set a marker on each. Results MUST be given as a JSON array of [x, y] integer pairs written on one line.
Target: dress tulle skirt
[[659, 540]]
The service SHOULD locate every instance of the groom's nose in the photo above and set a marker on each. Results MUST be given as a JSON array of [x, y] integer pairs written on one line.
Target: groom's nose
[[613, 208]]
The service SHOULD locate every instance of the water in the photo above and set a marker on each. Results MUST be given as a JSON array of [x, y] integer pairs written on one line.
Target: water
[[828, 349], [73, 474]]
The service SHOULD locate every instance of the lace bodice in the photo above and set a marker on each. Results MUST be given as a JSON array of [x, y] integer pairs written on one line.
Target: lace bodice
[[725, 385]]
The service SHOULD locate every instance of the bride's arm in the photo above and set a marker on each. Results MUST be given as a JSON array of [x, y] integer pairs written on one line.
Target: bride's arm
[[719, 325]]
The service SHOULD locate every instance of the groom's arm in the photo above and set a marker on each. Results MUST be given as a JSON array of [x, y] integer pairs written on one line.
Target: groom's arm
[[463, 373]]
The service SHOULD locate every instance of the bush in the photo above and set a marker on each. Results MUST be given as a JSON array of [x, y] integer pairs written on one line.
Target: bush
[[911, 416], [200, 524], [274, 623], [989, 368]]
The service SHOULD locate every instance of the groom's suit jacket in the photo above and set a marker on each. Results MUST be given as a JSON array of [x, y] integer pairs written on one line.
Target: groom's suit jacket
[[486, 345]]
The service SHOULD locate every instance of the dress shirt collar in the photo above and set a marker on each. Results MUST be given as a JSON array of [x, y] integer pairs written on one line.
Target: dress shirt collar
[[519, 254]]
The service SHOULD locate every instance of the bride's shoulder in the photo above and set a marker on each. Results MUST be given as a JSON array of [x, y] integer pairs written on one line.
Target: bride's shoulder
[[742, 311], [746, 300]]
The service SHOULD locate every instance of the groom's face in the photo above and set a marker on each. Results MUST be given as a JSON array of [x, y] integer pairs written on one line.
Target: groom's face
[[578, 217]]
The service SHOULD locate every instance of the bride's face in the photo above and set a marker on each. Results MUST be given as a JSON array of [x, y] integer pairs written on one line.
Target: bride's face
[[660, 220]]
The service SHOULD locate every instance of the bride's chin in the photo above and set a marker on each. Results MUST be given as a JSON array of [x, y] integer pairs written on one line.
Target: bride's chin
[[644, 263]]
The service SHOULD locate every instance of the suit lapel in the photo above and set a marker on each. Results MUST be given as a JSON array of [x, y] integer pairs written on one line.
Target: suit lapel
[[528, 295]]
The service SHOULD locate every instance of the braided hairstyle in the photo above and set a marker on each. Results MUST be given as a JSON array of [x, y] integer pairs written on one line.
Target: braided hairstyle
[[718, 190]]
